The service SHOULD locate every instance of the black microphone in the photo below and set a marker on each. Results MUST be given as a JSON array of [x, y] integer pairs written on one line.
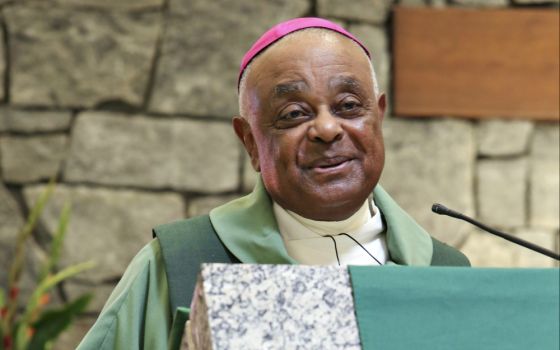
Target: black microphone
[[443, 210]]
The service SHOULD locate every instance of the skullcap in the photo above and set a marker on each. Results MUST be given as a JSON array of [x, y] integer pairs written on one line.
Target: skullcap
[[282, 29]]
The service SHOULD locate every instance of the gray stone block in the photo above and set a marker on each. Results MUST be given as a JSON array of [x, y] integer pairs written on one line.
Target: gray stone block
[[11, 222], [202, 49], [154, 153], [107, 226], [70, 338], [244, 306], [544, 194], [482, 3], [438, 3], [74, 288], [2, 67], [68, 57], [430, 161], [29, 273], [486, 250], [27, 159], [503, 137], [544, 187], [413, 2], [203, 205], [10, 216], [546, 141], [373, 11], [545, 238], [250, 176], [23, 121], [114, 5], [376, 41], [530, 2], [501, 192], [245, 10]]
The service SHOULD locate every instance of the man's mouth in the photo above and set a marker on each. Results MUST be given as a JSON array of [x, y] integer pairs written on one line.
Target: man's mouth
[[330, 164]]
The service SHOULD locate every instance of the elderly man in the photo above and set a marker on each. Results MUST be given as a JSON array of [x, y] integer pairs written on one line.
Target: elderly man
[[310, 120]]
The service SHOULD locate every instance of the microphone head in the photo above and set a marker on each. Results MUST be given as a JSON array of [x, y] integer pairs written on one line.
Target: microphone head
[[439, 208]]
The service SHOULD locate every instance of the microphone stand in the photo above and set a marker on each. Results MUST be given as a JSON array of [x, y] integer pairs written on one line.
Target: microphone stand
[[443, 210]]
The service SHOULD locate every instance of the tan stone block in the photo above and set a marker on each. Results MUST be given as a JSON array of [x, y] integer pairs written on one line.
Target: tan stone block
[[373, 11], [376, 41], [502, 188], [27, 159], [203, 205], [486, 250], [503, 137], [546, 141], [114, 5], [545, 194], [203, 47], [71, 57], [24, 121], [116, 149], [548, 239], [100, 293], [545, 176], [70, 338], [482, 3], [431, 161], [2, 67], [250, 176], [106, 226], [531, 2]]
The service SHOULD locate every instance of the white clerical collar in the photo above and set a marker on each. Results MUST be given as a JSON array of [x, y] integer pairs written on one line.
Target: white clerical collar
[[306, 240], [316, 228]]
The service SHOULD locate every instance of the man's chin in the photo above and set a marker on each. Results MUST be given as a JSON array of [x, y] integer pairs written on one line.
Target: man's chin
[[332, 204]]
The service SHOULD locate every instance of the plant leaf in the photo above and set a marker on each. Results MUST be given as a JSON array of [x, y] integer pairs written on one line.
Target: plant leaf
[[56, 244], [26, 231], [53, 322], [50, 282], [19, 256], [21, 338]]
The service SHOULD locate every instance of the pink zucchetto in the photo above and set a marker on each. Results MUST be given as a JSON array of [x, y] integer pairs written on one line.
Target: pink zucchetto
[[282, 29]]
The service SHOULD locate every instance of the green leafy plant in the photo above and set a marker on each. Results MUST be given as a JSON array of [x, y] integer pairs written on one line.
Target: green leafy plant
[[34, 326]]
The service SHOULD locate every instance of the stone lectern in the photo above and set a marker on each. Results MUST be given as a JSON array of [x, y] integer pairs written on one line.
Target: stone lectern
[[365, 307], [272, 307]]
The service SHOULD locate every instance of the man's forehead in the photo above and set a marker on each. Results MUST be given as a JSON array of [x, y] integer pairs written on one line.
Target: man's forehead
[[286, 66], [284, 29]]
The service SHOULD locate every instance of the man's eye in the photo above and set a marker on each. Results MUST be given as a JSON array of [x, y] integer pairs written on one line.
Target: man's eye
[[349, 105], [294, 114]]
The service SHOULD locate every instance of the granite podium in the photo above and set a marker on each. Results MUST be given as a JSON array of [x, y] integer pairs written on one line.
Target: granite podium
[[240, 306]]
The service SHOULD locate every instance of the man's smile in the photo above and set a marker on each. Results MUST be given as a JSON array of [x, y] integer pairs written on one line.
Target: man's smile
[[327, 165]]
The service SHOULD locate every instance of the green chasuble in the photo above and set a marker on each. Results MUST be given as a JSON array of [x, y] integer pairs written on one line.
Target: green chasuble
[[138, 314], [445, 308]]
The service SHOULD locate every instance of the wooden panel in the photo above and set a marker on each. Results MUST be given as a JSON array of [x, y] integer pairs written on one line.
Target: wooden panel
[[477, 63]]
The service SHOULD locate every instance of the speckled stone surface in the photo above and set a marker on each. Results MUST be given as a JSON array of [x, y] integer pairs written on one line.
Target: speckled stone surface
[[273, 307]]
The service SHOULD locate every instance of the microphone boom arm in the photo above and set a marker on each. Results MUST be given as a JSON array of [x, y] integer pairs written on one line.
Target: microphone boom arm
[[443, 210]]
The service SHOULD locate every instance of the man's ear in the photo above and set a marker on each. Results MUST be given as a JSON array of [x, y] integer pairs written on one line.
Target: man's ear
[[382, 105], [245, 135]]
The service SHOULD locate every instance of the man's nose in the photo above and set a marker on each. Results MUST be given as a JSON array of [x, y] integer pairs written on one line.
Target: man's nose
[[325, 127]]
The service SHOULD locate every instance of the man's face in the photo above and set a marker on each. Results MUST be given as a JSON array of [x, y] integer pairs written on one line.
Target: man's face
[[313, 127]]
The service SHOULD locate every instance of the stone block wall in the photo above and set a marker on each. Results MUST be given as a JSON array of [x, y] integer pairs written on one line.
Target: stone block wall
[[127, 103]]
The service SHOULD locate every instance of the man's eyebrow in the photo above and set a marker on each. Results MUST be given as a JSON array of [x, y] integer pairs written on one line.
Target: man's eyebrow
[[289, 88], [345, 82]]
